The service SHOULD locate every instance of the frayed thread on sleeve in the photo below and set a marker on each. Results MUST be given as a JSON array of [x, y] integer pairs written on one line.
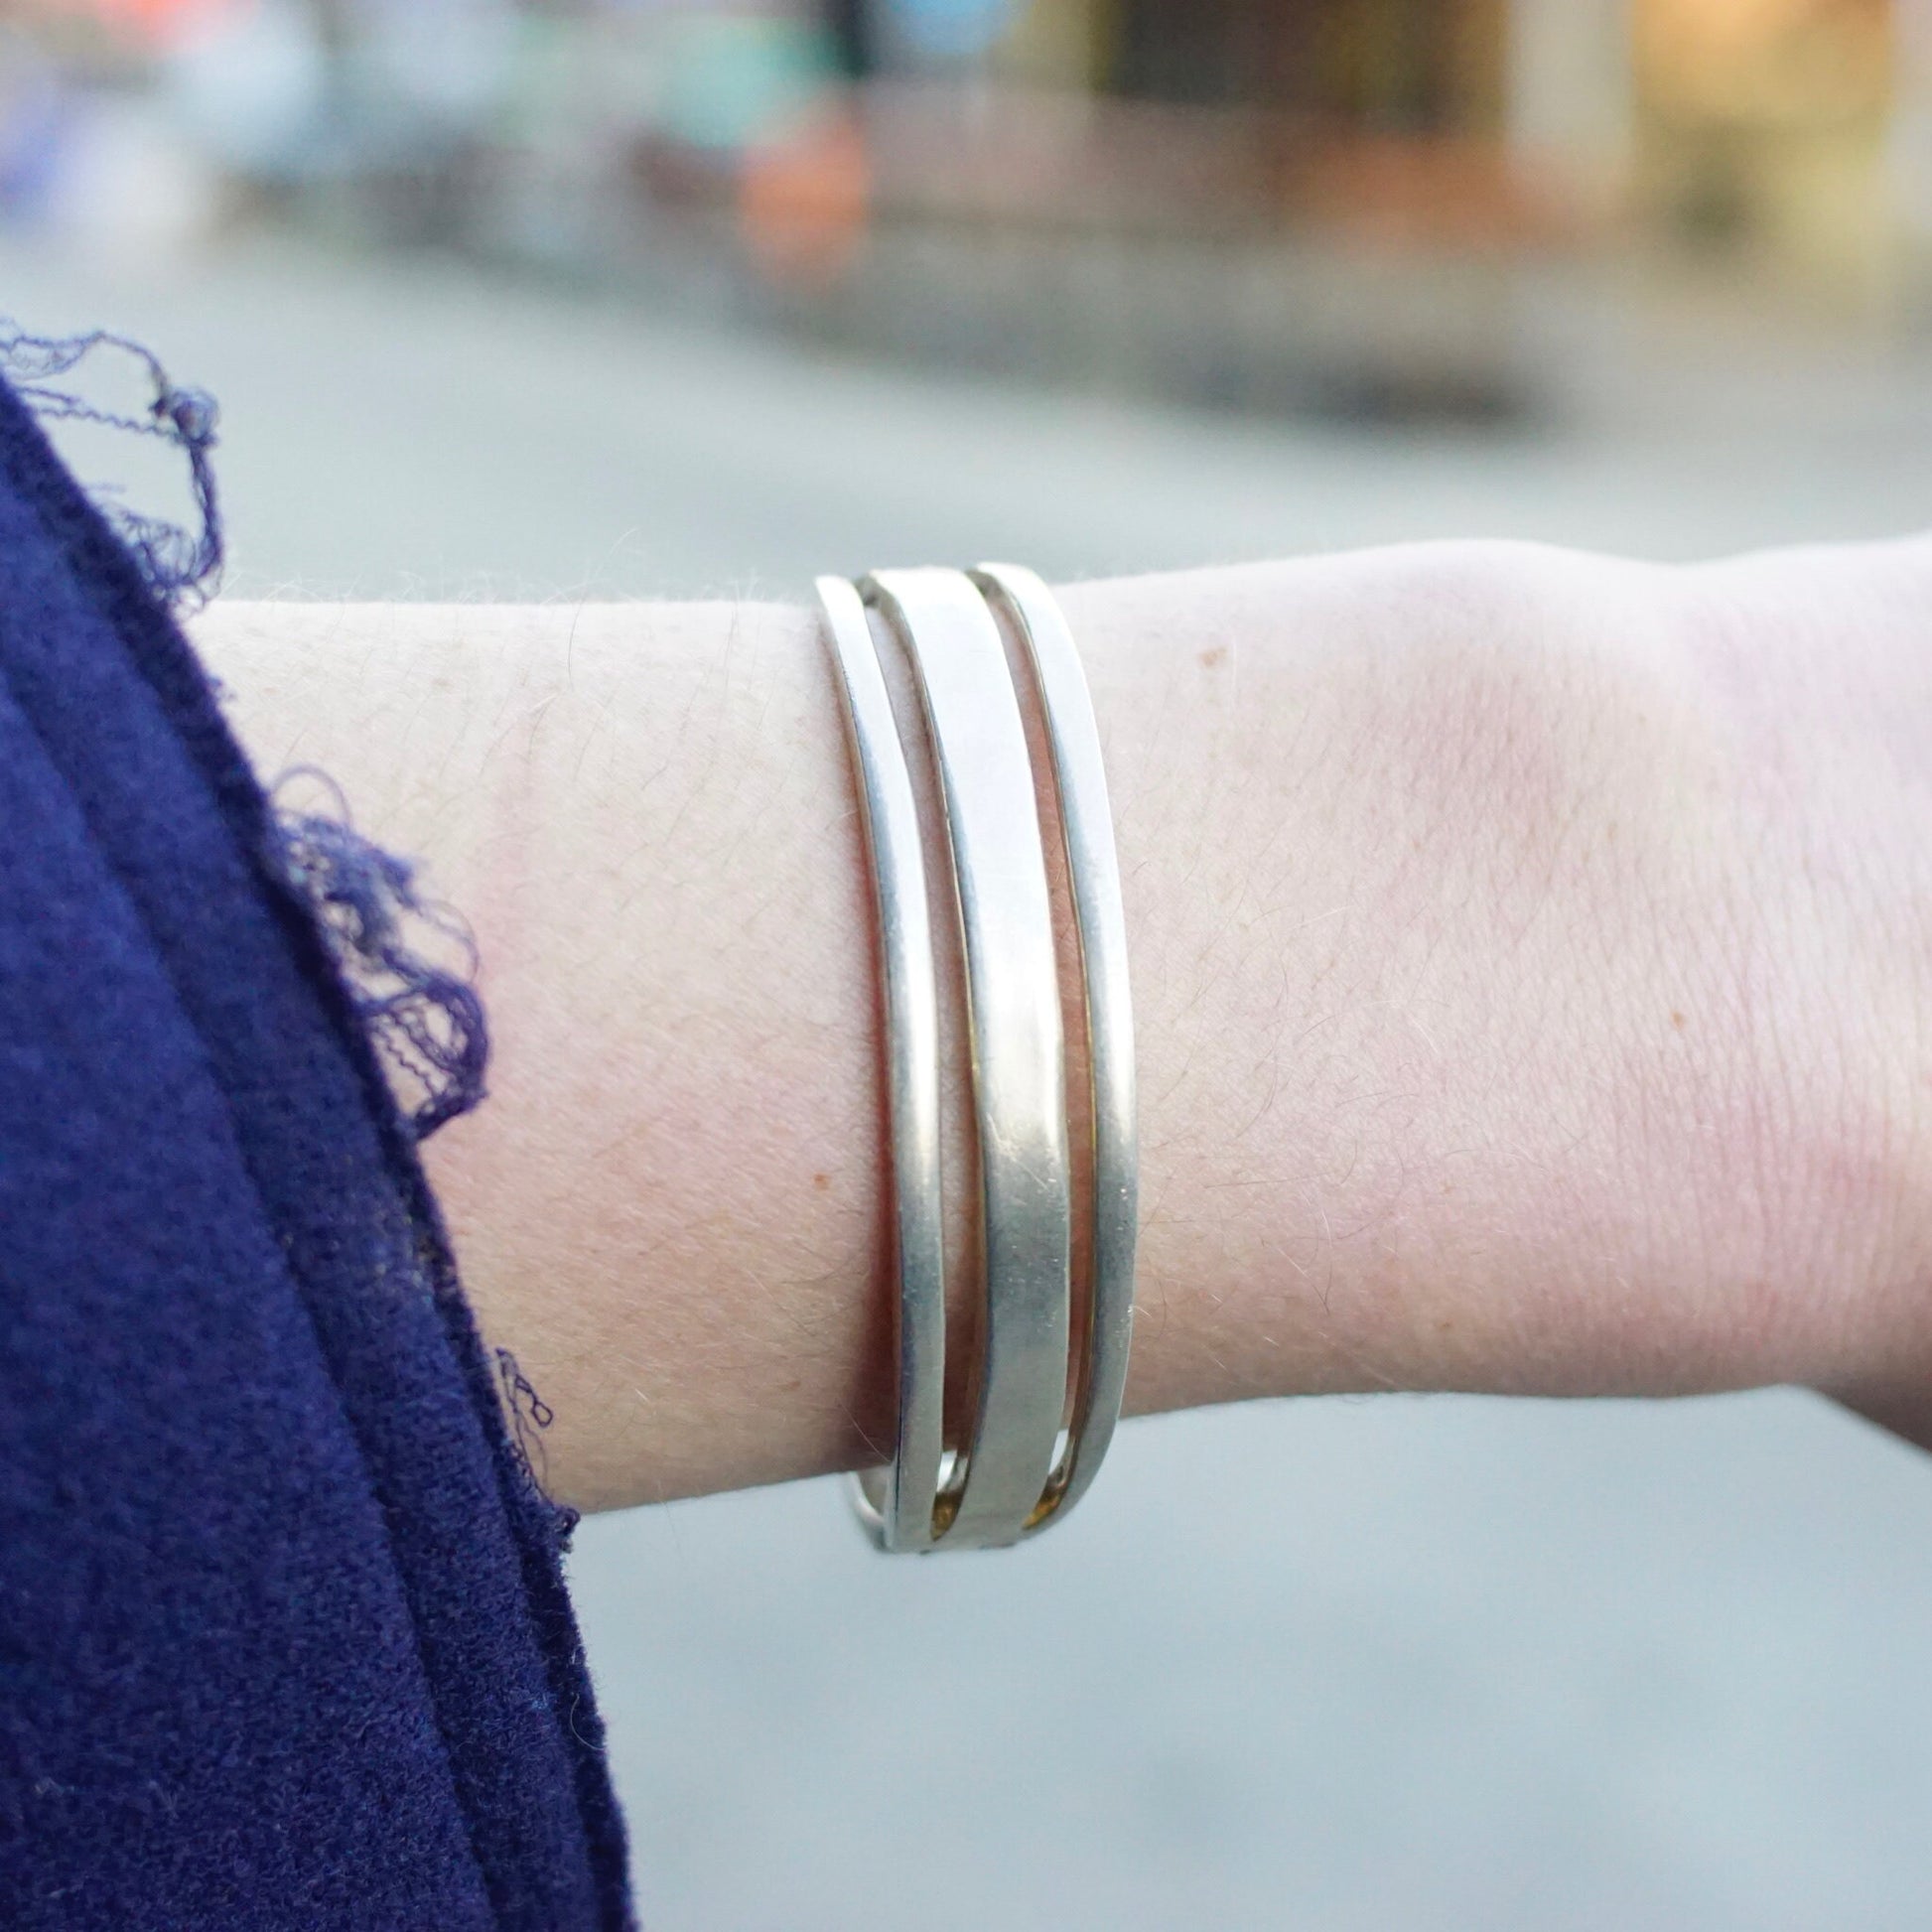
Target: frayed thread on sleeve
[[529, 1416], [181, 566], [425, 1018]]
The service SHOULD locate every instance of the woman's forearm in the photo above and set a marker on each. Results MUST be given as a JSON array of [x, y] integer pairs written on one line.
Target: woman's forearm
[[1529, 960]]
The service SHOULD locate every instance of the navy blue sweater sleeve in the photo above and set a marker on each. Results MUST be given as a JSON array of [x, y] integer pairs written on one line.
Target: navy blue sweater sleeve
[[283, 1636]]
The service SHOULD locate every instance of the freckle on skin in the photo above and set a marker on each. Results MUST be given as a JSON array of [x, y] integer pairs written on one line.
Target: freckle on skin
[[1212, 661], [822, 1182], [1678, 1021]]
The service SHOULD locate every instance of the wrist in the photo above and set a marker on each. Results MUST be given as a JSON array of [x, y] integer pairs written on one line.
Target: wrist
[[1478, 1051], [1529, 958], [1814, 664]]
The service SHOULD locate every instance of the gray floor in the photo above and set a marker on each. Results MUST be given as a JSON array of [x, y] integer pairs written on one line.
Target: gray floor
[[1399, 1665]]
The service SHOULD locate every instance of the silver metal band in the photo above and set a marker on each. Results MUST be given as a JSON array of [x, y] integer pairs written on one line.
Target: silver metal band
[[898, 1510], [1093, 877], [1013, 1014], [1005, 1482]]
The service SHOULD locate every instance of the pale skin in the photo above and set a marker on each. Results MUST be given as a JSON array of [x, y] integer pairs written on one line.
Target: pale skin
[[1532, 953]]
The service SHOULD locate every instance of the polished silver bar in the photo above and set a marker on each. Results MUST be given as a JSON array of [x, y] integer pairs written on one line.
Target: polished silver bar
[[1100, 921], [898, 1504], [1013, 1012]]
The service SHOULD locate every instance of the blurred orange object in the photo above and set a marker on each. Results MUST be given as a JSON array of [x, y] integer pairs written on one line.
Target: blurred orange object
[[804, 200], [1764, 60], [145, 24]]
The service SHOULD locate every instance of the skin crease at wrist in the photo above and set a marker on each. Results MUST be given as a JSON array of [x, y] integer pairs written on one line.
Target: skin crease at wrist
[[1529, 960]]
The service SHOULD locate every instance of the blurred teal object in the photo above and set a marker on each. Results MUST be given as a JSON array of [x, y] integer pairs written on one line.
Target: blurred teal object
[[733, 83], [953, 26]]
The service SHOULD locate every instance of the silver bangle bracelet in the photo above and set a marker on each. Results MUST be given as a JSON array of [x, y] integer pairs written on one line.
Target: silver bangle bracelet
[[1100, 928], [1013, 1020], [1011, 1478], [901, 1516]]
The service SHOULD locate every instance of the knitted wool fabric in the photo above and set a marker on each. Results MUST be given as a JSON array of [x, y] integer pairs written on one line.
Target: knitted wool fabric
[[283, 1636]]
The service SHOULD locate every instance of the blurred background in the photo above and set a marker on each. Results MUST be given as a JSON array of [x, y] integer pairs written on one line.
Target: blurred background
[[1364, 206], [627, 296]]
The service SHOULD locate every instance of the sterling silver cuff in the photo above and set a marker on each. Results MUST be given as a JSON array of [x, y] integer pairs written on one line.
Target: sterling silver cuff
[[1026, 1462]]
